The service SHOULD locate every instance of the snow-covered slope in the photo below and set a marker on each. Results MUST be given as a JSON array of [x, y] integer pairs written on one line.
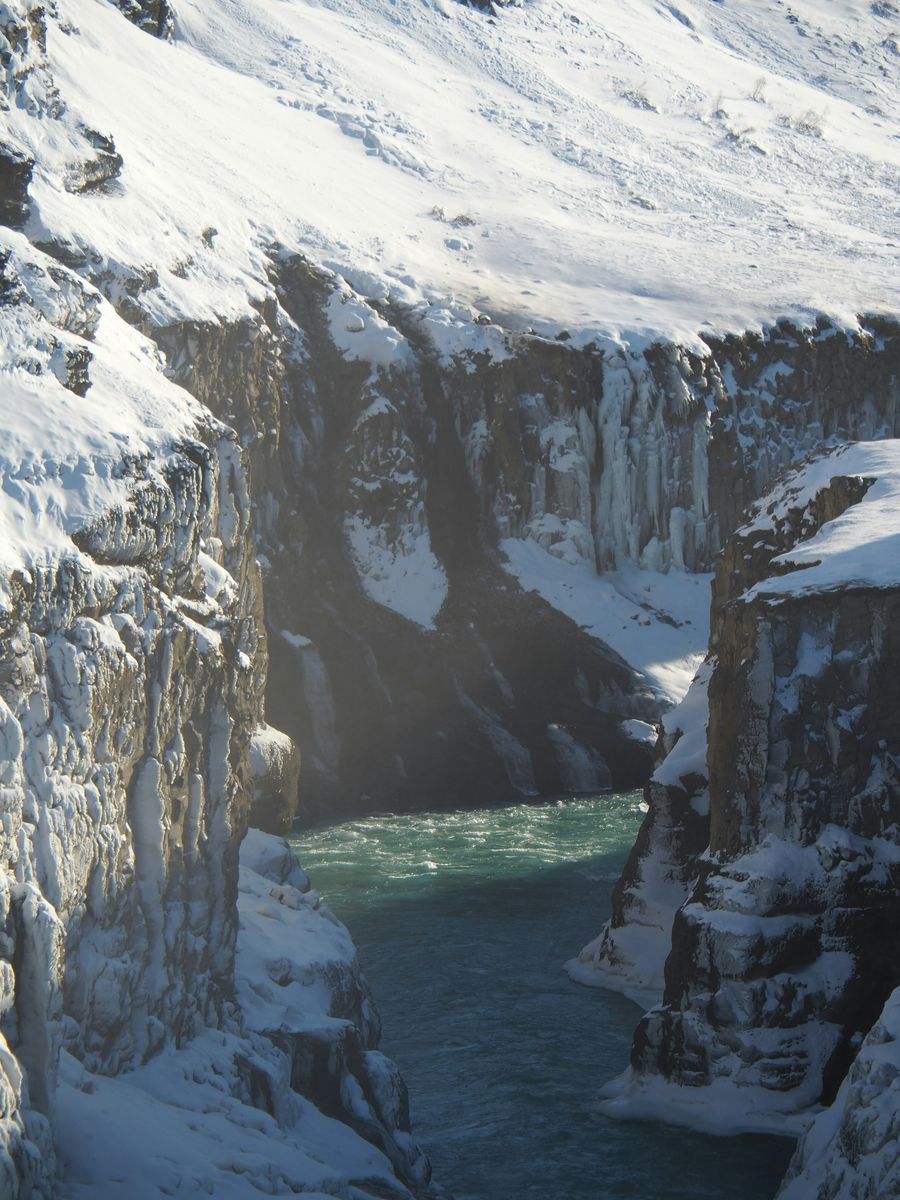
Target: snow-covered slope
[[639, 167]]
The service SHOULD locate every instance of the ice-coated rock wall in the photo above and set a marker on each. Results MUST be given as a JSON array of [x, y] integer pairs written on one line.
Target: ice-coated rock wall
[[132, 675], [770, 846], [134, 751], [850, 1150]]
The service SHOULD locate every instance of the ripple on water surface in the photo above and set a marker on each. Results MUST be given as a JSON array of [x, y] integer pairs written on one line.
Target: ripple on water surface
[[463, 921]]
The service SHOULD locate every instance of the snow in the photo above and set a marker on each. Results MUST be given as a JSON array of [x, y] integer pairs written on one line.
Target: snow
[[850, 1150], [622, 172], [185, 1123], [629, 957], [718, 1108], [740, 1096], [401, 573], [290, 945], [639, 731], [172, 1128], [689, 720], [659, 623], [618, 171], [297, 640], [859, 549], [643, 948], [61, 455], [361, 335]]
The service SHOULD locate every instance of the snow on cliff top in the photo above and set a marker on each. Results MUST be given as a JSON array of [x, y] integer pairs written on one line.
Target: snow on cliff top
[[859, 549], [633, 168], [62, 454]]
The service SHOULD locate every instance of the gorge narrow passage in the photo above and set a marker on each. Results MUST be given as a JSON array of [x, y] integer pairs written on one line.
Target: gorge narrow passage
[[463, 921]]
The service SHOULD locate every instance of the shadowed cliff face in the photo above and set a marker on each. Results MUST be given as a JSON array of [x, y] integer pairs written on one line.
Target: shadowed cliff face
[[782, 958], [502, 696], [407, 663]]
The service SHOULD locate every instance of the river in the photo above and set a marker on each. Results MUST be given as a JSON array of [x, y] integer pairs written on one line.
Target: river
[[463, 921]]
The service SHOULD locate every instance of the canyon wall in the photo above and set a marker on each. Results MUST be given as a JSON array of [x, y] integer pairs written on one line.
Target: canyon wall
[[481, 550], [762, 890], [133, 667], [453, 565], [470, 538]]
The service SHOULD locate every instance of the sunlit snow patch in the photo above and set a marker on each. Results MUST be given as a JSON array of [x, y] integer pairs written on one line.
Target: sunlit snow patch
[[402, 573], [658, 623]]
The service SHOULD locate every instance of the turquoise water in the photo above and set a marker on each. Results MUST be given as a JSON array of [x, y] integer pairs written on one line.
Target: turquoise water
[[463, 921]]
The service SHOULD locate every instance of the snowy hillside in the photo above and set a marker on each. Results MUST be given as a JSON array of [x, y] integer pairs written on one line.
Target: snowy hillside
[[636, 167]]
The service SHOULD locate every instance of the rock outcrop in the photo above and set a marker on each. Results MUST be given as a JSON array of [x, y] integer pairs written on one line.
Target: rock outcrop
[[783, 951], [850, 1150]]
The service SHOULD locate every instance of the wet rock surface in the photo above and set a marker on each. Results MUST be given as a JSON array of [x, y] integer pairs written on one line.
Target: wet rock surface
[[15, 175]]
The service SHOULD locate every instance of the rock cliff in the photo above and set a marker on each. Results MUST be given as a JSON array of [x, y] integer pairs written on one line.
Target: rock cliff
[[135, 747], [481, 549], [478, 557], [781, 901], [502, 532]]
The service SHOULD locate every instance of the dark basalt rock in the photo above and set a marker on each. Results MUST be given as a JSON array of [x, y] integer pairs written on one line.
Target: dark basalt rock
[[156, 17], [16, 168], [76, 378], [99, 169]]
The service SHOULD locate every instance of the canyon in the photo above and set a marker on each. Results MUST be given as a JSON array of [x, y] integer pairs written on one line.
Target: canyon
[[285, 525]]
